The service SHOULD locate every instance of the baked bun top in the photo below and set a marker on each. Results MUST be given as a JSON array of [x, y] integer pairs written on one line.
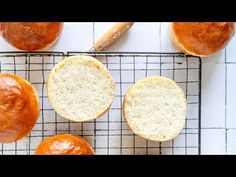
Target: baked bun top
[[31, 36], [19, 108], [202, 38], [64, 144]]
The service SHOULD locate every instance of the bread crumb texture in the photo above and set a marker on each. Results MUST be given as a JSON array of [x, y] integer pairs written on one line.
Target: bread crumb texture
[[80, 88], [155, 108]]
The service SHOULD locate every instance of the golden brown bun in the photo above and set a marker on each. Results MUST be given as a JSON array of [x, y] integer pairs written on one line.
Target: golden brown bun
[[19, 108], [64, 144], [202, 39], [31, 36]]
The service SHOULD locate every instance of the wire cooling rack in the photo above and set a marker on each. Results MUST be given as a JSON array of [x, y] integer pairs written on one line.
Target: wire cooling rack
[[110, 133]]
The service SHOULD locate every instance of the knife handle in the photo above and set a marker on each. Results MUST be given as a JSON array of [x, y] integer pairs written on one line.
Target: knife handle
[[111, 36]]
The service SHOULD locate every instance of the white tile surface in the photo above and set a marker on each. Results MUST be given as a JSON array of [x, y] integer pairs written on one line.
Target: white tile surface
[[231, 96], [5, 46], [166, 43], [213, 95], [231, 141], [217, 58], [77, 37], [213, 141], [230, 51]]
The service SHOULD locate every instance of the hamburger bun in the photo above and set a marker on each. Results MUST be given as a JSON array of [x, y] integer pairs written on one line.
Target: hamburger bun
[[155, 108], [31, 36], [64, 144], [202, 39], [19, 108], [80, 88]]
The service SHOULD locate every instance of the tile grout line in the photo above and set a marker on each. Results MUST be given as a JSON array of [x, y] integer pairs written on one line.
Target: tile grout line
[[121, 113], [146, 73], [200, 109], [160, 74], [93, 33], [160, 37], [226, 148], [186, 90], [55, 113], [134, 78], [1, 72], [28, 75], [173, 77], [108, 121], [14, 61], [95, 121]]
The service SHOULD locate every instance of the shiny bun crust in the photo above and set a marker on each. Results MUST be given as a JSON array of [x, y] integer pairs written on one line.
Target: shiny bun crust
[[31, 36], [64, 144], [19, 108], [202, 39]]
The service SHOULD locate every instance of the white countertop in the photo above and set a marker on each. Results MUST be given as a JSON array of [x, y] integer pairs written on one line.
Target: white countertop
[[218, 115]]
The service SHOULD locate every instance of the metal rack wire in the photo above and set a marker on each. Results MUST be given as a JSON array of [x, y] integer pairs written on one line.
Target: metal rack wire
[[110, 133]]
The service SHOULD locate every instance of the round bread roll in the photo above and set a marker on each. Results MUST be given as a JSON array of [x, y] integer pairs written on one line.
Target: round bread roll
[[64, 144], [31, 36], [80, 88], [202, 39], [19, 108], [155, 108]]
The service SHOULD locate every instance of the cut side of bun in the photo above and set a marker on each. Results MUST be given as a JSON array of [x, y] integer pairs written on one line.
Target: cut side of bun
[[155, 108], [80, 88]]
